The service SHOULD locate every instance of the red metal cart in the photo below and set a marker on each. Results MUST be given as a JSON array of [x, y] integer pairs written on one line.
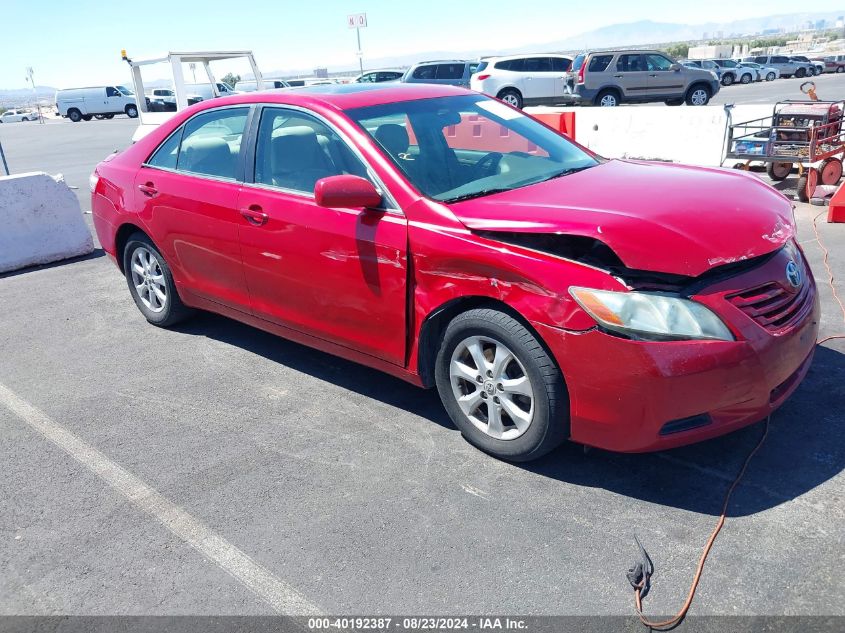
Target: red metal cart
[[806, 134]]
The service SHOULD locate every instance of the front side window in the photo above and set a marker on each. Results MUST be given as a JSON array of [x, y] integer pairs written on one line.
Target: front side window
[[211, 143], [112, 92], [657, 63], [295, 150], [456, 148]]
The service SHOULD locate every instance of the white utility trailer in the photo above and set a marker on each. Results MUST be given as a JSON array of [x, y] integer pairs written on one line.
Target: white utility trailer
[[149, 120]]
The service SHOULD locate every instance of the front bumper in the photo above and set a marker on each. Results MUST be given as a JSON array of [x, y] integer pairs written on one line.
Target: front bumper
[[636, 396]]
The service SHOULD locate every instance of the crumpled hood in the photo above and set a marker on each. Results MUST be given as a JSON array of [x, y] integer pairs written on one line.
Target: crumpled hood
[[655, 216]]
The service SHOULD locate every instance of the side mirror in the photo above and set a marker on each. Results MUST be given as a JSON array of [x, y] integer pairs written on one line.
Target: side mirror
[[675, 67], [346, 192]]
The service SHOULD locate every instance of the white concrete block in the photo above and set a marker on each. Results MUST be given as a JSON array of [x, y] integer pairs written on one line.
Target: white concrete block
[[682, 134], [40, 222]]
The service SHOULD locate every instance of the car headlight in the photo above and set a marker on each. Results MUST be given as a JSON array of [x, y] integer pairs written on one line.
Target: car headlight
[[651, 316]]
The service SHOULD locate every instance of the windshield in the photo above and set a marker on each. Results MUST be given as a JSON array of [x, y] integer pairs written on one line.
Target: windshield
[[125, 90], [456, 148]]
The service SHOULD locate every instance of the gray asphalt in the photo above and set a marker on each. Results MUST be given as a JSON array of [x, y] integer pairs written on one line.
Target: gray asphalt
[[353, 487]]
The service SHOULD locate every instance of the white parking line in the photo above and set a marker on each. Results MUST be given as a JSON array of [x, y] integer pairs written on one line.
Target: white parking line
[[263, 583]]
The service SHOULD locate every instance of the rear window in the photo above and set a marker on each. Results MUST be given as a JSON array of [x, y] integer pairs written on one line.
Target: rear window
[[599, 63], [481, 66], [578, 62]]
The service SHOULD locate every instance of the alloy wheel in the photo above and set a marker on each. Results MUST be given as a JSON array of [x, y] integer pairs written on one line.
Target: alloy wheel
[[699, 97], [491, 387], [608, 101], [148, 279], [511, 99]]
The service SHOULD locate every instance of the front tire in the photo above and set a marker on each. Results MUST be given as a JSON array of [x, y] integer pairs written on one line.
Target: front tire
[[770, 77], [727, 79], [132, 111], [500, 387], [511, 97], [698, 96], [746, 79], [151, 282]]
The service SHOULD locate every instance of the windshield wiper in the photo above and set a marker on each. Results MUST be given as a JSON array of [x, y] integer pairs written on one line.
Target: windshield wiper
[[566, 172], [476, 194]]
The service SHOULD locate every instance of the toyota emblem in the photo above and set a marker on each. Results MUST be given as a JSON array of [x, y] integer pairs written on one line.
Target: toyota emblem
[[793, 274]]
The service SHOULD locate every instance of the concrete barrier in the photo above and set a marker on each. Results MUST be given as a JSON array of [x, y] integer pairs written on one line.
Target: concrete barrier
[[40, 222], [683, 134]]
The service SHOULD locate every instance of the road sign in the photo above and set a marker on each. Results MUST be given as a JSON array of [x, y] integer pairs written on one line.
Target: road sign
[[356, 20]]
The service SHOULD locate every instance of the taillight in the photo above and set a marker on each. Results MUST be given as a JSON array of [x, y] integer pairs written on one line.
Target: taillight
[[482, 77], [581, 71]]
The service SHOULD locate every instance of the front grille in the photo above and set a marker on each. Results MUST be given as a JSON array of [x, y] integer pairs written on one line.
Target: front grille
[[773, 306]]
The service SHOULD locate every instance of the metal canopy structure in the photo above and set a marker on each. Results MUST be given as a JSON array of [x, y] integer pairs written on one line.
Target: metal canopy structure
[[175, 59]]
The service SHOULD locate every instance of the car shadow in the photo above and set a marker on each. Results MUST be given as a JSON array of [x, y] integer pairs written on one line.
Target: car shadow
[[804, 448]]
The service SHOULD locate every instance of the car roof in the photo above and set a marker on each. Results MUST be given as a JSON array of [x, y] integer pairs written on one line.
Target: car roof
[[445, 61], [344, 96], [524, 56], [623, 51]]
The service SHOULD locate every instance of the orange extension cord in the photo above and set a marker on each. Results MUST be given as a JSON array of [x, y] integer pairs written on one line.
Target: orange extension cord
[[638, 589]]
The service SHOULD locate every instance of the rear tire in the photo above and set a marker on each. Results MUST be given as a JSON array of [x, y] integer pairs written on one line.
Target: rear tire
[[151, 283], [802, 188], [746, 79], [74, 115], [511, 97], [87, 117], [801, 73], [840, 69], [471, 344], [608, 99], [778, 171], [770, 77], [698, 95]]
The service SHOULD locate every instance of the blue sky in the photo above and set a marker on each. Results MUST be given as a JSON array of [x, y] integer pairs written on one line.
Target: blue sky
[[79, 42]]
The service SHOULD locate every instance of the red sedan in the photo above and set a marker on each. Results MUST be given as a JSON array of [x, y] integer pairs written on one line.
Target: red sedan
[[448, 239]]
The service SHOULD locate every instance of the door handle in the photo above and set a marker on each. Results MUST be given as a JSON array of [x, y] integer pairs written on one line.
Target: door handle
[[148, 189], [652, 75], [617, 76], [254, 215]]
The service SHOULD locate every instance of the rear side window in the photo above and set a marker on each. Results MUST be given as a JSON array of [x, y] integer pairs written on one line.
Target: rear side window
[[167, 153], [538, 65], [780, 60], [450, 71], [599, 63], [425, 72], [630, 63], [211, 143], [515, 65]]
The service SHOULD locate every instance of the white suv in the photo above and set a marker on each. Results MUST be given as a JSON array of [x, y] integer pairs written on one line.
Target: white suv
[[18, 115], [523, 80]]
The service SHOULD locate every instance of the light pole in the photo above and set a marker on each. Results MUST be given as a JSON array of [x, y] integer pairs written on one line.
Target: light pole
[[30, 75], [193, 68]]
